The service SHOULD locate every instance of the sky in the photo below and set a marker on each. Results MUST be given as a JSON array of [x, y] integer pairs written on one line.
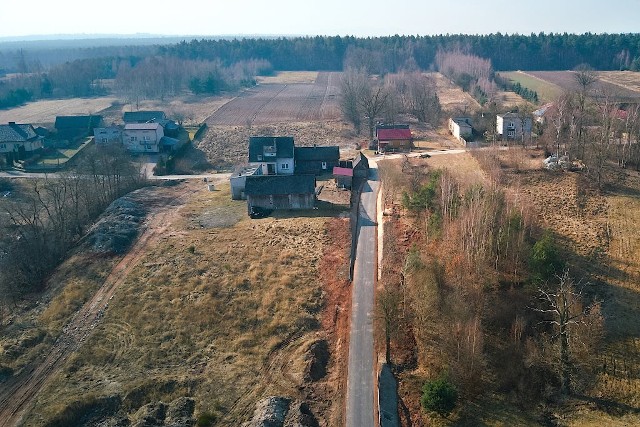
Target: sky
[[311, 17]]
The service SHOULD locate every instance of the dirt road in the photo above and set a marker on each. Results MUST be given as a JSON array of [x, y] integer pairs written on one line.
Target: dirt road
[[19, 392]]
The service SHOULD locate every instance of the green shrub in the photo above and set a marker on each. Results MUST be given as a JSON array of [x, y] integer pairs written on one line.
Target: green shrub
[[545, 259], [206, 419], [439, 396]]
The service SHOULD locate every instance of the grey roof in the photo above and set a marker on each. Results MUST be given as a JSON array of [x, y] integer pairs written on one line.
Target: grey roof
[[265, 185], [361, 160], [77, 122], [143, 116], [322, 154], [284, 147], [165, 140], [13, 132]]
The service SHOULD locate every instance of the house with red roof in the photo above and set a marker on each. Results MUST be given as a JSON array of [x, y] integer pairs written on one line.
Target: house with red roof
[[394, 138]]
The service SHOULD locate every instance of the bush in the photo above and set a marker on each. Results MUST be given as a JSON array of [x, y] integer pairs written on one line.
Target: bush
[[206, 419], [545, 259], [439, 396]]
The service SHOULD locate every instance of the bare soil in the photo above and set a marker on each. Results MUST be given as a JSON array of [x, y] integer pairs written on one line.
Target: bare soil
[[277, 102]]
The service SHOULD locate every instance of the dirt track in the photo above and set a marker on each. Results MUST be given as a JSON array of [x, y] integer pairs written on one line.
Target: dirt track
[[19, 392]]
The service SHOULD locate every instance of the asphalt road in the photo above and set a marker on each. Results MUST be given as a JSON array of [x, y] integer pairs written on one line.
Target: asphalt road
[[361, 368]]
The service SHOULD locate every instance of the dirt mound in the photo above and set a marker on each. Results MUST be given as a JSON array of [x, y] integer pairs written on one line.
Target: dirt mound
[[270, 412], [277, 411], [317, 361], [178, 413], [118, 226]]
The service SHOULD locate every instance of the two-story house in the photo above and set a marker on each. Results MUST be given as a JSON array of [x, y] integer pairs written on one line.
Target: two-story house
[[512, 126], [18, 141], [274, 155], [142, 137]]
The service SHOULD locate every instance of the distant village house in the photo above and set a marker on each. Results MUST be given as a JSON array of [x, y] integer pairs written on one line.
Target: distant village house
[[461, 128], [18, 141], [393, 138], [511, 126]]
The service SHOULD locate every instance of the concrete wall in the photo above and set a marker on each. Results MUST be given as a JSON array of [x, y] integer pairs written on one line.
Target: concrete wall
[[285, 201]]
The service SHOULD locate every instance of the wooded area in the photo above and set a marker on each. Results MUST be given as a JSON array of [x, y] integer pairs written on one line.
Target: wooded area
[[209, 66]]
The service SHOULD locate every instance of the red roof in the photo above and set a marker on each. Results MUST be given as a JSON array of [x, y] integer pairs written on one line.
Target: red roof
[[342, 171], [391, 134]]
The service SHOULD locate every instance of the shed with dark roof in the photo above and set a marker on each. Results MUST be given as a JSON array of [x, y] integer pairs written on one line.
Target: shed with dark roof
[[316, 160], [74, 127], [280, 191], [143, 116]]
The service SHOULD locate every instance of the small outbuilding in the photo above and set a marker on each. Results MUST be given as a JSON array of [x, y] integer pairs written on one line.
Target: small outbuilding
[[71, 128], [316, 160], [273, 192]]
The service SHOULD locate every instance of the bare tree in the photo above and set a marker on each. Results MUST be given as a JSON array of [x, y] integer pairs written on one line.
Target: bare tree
[[566, 311], [352, 87], [373, 102]]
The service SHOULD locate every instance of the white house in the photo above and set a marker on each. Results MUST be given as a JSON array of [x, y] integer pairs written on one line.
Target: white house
[[273, 154], [511, 126], [460, 127], [18, 141], [142, 137], [108, 135]]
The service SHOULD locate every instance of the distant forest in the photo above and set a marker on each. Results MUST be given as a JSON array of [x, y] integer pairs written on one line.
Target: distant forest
[[212, 65]]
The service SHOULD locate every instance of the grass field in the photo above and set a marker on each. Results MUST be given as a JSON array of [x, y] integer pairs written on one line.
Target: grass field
[[60, 156], [547, 91], [288, 77], [223, 308], [45, 111], [453, 98]]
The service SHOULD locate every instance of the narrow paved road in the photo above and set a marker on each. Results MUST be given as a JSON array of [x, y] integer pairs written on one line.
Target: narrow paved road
[[360, 410]]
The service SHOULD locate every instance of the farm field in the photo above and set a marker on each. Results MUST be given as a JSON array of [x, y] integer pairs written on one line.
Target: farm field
[[44, 112], [626, 79], [566, 80], [288, 77], [278, 102], [547, 91]]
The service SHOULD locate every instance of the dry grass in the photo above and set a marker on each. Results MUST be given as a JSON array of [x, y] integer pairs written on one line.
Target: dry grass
[[453, 98], [45, 111], [225, 309], [628, 79], [289, 77], [193, 109], [510, 99]]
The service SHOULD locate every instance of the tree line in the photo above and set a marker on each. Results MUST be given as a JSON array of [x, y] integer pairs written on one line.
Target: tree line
[[48, 217], [483, 299], [373, 99], [210, 65]]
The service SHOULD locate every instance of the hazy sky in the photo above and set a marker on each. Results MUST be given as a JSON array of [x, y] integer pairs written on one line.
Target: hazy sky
[[326, 17]]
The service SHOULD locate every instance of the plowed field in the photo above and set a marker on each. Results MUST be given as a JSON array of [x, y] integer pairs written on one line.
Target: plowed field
[[272, 103]]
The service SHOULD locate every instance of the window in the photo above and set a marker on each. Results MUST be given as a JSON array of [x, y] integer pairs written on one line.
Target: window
[[146, 138], [134, 138], [147, 147], [104, 140], [324, 165], [259, 157], [284, 166], [511, 133]]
